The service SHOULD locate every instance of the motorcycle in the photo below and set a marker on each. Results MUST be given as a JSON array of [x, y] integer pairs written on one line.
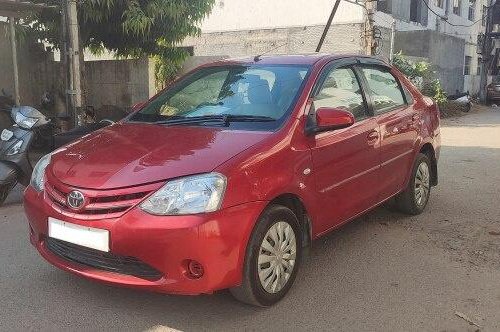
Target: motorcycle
[[15, 148]]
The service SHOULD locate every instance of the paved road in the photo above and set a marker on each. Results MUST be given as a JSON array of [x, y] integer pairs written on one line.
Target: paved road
[[385, 271]]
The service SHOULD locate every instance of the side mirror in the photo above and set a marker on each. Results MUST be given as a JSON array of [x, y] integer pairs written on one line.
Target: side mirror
[[137, 106], [328, 118]]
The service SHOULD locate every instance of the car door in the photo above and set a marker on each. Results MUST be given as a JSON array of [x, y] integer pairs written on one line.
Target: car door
[[346, 161], [397, 121]]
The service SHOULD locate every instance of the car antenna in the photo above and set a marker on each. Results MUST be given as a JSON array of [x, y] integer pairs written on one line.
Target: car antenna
[[257, 58]]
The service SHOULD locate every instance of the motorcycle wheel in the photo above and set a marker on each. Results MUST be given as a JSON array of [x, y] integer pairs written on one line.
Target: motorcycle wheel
[[4, 191]]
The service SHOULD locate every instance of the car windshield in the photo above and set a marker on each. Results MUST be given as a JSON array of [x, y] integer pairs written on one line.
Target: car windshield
[[255, 96]]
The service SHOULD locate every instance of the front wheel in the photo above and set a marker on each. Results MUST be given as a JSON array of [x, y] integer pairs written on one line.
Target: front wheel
[[4, 191], [272, 259], [416, 195]]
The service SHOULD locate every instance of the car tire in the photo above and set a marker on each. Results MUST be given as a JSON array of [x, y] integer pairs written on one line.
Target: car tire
[[279, 265], [414, 198]]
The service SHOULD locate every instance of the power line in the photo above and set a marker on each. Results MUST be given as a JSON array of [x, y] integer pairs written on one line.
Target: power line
[[458, 25]]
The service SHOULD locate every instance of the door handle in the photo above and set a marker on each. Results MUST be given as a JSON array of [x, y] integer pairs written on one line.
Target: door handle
[[372, 137]]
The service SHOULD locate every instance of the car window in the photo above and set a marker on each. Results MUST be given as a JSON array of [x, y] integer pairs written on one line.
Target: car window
[[384, 89], [239, 90], [200, 91], [341, 89]]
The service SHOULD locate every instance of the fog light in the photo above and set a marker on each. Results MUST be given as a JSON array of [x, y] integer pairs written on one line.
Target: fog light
[[195, 270]]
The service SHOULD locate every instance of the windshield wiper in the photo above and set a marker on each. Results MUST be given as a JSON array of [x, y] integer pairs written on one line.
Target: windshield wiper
[[224, 119]]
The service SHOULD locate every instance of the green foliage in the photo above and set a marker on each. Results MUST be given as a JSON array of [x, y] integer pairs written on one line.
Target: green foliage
[[130, 28], [421, 70]]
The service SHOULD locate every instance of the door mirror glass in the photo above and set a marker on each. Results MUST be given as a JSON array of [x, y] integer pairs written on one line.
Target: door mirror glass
[[333, 118]]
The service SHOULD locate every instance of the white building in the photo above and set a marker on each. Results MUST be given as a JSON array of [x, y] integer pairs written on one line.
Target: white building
[[249, 27]]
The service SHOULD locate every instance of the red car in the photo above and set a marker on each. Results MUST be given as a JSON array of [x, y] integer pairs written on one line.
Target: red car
[[223, 179]]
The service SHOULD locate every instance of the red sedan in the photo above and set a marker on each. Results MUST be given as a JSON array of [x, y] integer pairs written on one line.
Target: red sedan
[[223, 179]]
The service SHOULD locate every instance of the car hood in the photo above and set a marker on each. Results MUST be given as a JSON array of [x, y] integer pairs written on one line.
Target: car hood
[[126, 155]]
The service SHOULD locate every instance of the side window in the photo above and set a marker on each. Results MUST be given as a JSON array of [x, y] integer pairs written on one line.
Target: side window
[[341, 89], [384, 89]]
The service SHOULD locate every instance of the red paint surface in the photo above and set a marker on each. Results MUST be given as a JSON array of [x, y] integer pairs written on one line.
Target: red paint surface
[[352, 170]]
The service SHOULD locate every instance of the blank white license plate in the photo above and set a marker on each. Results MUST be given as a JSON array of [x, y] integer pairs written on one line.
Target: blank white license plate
[[89, 237], [6, 135]]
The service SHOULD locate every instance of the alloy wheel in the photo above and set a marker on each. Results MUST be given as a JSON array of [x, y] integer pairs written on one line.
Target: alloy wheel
[[422, 184], [277, 255]]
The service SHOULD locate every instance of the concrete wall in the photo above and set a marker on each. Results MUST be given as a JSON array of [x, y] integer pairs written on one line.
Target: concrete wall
[[37, 73], [445, 53], [342, 38], [120, 83], [230, 15]]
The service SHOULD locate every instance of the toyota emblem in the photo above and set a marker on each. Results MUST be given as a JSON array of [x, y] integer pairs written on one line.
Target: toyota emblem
[[75, 200]]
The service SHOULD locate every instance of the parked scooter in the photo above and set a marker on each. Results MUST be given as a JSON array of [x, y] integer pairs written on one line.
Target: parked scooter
[[16, 141], [19, 150], [462, 98]]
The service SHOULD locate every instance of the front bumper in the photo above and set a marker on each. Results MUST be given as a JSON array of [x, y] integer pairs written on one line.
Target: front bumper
[[216, 240]]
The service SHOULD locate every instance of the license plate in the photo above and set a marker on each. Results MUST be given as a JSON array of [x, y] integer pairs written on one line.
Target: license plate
[[6, 135], [89, 237]]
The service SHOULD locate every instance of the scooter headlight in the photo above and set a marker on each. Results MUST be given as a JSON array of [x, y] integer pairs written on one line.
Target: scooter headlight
[[24, 121], [38, 175], [16, 148], [188, 195]]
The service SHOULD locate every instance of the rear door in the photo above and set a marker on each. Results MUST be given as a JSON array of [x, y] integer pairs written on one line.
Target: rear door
[[397, 121], [346, 161]]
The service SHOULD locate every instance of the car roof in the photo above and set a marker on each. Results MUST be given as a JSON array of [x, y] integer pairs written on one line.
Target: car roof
[[289, 59]]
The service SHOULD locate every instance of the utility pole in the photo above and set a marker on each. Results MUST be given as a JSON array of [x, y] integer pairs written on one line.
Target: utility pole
[[486, 51], [368, 35], [328, 24], [75, 86], [13, 45], [393, 33]]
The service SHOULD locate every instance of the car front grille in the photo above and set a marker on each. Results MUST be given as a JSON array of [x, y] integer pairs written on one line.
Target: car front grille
[[102, 260], [100, 204]]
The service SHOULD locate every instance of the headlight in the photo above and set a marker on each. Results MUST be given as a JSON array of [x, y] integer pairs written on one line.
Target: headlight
[[16, 148], [188, 195], [24, 121], [37, 178]]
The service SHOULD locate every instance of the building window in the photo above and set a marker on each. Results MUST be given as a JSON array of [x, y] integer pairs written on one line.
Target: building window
[[468, 60], [418, 12], [383, 6], [440, 3], [457, 7], [478, 70], [472, 10]]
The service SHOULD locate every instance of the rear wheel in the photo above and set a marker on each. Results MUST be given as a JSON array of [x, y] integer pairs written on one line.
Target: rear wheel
[[415, 197], [272, 259]]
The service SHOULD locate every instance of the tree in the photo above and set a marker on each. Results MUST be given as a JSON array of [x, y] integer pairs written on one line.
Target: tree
[[131, 28]]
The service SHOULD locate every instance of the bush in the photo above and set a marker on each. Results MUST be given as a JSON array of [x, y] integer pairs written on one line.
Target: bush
[[422, 75]]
